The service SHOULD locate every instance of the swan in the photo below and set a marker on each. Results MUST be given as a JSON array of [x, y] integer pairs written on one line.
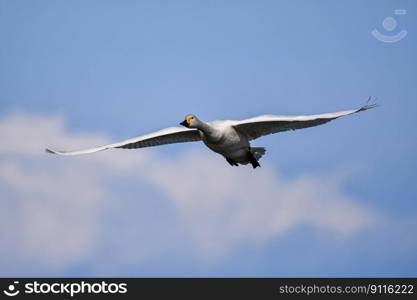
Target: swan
[[229, 138]]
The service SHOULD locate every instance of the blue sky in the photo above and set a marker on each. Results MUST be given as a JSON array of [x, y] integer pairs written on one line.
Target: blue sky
[[77, 73]]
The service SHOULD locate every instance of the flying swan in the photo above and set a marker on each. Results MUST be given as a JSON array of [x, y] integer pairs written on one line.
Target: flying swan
[[229, 138]]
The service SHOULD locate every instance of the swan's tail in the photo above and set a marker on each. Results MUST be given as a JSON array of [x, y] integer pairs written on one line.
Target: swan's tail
[[257, 152]]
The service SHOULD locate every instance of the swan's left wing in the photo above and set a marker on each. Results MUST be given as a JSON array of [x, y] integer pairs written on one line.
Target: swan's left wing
[[162, 137], [268, 124]]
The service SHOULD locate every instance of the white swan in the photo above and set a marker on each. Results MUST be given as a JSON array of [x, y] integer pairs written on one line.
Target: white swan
[[229, 138]]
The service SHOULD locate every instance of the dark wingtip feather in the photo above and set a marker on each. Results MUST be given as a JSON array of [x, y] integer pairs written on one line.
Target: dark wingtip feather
[[371, 103], [49, 151]]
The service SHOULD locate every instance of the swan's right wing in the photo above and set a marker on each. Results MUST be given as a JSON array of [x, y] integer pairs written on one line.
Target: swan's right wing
[[166, 136], [268, 124]]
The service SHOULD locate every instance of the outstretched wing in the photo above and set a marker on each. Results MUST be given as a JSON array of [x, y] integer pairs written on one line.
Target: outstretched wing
[[166, 136], [268, 124]]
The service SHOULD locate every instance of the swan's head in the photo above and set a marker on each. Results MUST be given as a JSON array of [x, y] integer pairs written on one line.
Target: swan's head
[[190, 121]]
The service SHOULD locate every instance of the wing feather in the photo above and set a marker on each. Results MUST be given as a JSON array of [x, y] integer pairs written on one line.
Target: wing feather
[[268, 124], [166, 136]]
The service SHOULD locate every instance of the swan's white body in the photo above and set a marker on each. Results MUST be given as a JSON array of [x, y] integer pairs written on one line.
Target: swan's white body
[[226, 140], [230, 138]]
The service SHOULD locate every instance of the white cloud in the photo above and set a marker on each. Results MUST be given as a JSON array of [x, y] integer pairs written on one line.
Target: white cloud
[[51, 207], [224, 207], [49, 214]]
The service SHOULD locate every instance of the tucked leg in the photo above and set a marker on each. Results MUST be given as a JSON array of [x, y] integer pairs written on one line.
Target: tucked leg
[[253, 160], [232, 162]]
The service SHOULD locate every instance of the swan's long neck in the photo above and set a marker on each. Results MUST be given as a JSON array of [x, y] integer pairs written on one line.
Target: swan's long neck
[[205, 128]]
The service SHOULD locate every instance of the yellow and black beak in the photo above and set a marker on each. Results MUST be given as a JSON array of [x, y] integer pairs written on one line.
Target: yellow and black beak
[[184, 123]]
